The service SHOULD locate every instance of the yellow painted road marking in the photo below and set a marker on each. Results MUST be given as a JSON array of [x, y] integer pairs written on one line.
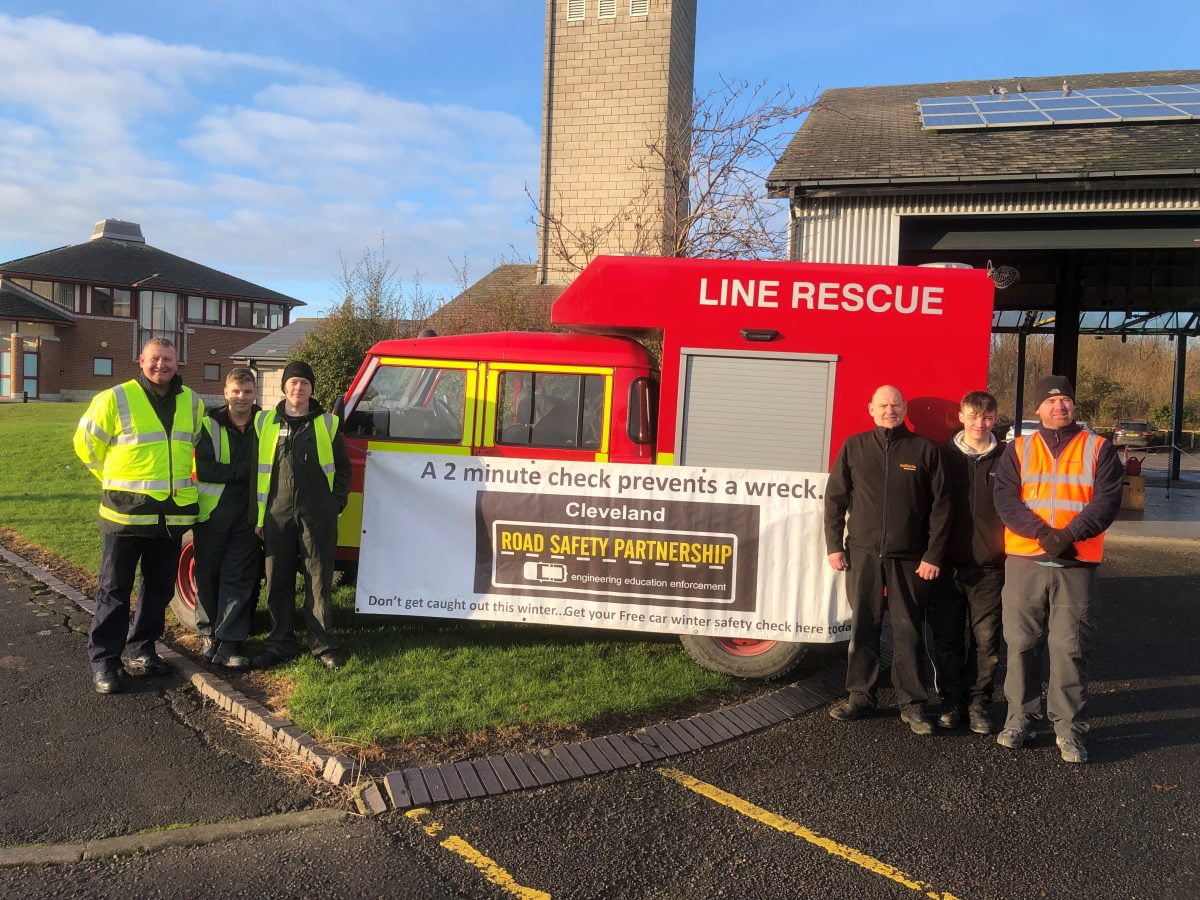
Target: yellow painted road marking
[[486, 865], [787, 826]]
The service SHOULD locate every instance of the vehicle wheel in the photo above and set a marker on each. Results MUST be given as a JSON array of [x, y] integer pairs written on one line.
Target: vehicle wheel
[[183, 604], [744, 658]]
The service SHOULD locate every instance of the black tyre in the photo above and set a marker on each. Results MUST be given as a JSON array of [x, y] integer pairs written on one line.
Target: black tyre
[[741, 658]]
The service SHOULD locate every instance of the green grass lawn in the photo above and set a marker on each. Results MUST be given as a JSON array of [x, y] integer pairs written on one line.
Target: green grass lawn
[[405, 678]]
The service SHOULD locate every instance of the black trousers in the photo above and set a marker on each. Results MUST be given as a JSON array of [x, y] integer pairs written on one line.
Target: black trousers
[[964, 616], [305, 547], [228, 561], [111, 630], [869, 574]]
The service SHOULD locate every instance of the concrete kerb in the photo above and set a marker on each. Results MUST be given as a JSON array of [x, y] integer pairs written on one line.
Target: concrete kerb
[[154, 841], [424, 785], [334, 768]]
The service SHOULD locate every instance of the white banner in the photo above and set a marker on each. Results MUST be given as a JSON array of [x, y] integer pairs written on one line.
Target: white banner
[[720, 552]]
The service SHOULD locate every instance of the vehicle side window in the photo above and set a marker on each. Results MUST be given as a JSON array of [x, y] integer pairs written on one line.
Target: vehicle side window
[[412, 403], [550, 409]]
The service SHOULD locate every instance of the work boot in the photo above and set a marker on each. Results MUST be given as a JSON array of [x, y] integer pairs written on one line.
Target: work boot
[[916, 720], [107, 682], [950, 718], [229, 654], [1012, 738], [980, 721], [1072, 749], [847, 709]]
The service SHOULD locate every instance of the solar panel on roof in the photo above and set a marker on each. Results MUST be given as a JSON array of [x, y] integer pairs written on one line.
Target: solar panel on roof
[[1015, 109]]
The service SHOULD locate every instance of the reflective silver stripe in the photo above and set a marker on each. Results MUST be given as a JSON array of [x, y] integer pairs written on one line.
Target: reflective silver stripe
[[214, 430], [262, 498], [327, 468], [149, 437], [94, 464], [328, 417], [1026, 447], [90, 427], [182, 484], [186, 437], [1058, 479], [181, 520], [264, 468], [123, 519], [1089, 457], [195, 417], [123, 414], [206, 488], [140, 486], [1055, 503]]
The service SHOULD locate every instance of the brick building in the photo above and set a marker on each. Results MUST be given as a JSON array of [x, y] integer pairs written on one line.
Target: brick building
[[72, 320]]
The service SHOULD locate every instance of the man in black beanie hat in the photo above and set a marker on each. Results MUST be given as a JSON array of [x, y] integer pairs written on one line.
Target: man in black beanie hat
[[1057, 492], [303, 485]]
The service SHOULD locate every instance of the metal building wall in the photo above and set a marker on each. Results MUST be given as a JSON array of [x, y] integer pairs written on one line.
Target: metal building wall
[[867, 229]]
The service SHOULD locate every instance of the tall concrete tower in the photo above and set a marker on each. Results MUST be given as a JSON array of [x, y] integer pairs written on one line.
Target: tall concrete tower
[[618, 80]]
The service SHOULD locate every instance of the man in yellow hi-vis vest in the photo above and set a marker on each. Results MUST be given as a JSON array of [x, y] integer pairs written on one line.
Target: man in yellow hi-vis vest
[[1057, 491], [228, 553], [303, 485], [137, 439]]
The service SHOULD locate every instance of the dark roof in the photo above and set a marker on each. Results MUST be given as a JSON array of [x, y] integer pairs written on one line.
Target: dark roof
[[857, 135], [278, 344], [506, 299], [16, 304], [129, 264]]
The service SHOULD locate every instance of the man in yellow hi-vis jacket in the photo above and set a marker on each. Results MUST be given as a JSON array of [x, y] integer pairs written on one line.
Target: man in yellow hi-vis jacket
[[303, 485], [137, 438]]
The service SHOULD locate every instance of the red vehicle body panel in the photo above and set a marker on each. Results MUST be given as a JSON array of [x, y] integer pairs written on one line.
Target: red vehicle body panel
[[698, 303]]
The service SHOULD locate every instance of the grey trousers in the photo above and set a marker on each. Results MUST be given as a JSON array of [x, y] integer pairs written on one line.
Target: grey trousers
[[1048, 606]]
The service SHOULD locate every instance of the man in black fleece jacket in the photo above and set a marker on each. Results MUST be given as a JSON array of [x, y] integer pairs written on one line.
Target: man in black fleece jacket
[[964, 614], [892, 484], [1057, 490]]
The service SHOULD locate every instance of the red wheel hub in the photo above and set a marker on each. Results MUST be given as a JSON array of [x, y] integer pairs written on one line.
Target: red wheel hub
[[185, 575], [743, 646]]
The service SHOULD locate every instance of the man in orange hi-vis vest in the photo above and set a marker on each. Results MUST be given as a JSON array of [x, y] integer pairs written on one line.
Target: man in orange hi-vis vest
[[1057, 491]]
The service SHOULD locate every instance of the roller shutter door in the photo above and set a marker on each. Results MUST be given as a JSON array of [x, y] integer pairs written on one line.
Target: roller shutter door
[[755, 412]]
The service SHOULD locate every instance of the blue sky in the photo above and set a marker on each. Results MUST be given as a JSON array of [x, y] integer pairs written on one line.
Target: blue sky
[[263, 138]]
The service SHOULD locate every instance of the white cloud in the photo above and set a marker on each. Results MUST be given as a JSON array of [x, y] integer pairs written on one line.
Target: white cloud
[[251, 164]]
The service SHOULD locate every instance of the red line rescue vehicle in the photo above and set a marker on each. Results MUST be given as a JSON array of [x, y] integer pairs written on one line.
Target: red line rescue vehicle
[[756, 365]]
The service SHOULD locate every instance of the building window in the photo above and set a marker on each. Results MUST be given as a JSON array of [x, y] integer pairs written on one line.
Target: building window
[[212, 372], [576, 10], [101, 365], [58, 293], [606, 9], [110, 302], [258, 315], [158, 316], [639, 7], [204, 309]]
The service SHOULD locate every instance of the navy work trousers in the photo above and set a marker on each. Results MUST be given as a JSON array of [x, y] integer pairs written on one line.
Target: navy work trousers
[[964, 616], [869, 574], [228, 563], [111, 630]]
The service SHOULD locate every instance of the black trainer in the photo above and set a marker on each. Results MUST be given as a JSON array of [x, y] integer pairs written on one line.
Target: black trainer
[[229, 654], [950, 718], [149, 664], [331, 659], [208, 648]]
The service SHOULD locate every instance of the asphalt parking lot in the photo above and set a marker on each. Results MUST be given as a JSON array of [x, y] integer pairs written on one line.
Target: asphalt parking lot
[[808, 808]]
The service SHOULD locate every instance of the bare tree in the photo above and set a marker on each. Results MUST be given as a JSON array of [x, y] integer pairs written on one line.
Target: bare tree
[[376, 305], [702, 191]]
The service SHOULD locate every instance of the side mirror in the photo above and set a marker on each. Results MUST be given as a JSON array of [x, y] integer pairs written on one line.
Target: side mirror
[[339, 406]]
